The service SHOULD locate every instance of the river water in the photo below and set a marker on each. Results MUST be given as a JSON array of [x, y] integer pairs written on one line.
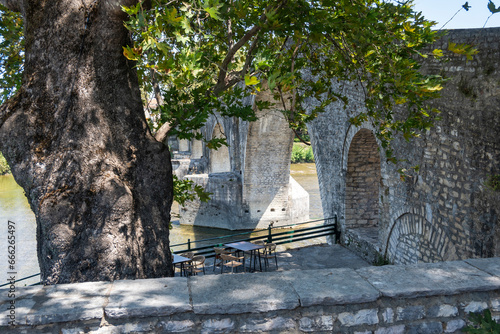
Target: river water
[[14, 207]]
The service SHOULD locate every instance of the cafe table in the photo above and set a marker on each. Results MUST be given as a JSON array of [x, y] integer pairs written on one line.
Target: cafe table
[[246, 246], [180, 259]]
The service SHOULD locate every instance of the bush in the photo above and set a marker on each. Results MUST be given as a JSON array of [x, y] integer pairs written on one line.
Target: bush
[[4, 166], [482, 323], [301, 153]]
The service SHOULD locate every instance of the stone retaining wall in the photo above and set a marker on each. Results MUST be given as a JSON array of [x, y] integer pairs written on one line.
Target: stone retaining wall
[[424, 298]]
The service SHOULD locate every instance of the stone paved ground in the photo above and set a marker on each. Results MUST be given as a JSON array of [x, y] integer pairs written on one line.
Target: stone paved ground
[[311, 257]]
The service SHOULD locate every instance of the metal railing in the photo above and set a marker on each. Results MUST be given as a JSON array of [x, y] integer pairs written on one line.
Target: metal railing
[[22, 279], [286, 234]]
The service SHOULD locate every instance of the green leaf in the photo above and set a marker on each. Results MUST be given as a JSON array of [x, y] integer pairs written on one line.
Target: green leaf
[[492, 7], [129, 53], [271, 80], [251, 80], [171, 16], [437, 53], [463, 49], [213, 12]]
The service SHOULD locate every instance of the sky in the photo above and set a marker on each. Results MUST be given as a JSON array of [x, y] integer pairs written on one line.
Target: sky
[[443, 10]]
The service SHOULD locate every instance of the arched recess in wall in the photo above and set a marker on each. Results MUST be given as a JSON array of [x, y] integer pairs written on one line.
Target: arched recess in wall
[[219, 159], [414, 239], [362, 181], [196, 149]]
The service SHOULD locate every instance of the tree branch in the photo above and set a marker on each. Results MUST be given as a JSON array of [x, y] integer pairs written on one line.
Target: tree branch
[[13, 5], [230, 54], [162, 132]]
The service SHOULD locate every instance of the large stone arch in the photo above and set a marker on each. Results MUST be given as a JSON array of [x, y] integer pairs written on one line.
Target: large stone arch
[[219, 159], [363, 175], [413, 239]]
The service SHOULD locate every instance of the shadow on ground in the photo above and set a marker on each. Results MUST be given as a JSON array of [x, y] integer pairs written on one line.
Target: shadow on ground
[[305, 258]]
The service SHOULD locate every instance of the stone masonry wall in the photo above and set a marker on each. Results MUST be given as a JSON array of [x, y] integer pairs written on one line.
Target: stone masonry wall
[[363, 179], [250, 179], [446, 211], [425, 298]]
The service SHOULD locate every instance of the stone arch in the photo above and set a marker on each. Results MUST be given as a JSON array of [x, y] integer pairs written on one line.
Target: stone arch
[[362, 181], [219, 159], [414, 239]]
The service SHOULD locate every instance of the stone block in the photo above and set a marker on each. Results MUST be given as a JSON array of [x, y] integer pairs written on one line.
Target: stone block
[[475, 306], [453, 326], [177, 326], [425, 328], [148, 297], [400, 329], [329, 286], [241, 293], [267, 325], [68, 302], [224, 325], [321, 323], [489, 265], [428, 279], [24, 303], [444, 310], [408, 313], [388, 315], [361, 317], [495, 305]]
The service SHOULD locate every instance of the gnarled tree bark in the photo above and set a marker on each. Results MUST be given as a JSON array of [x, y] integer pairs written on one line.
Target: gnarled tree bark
[[77, 141]]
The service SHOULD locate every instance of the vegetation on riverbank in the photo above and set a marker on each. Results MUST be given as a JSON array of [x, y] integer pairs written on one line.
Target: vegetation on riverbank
[[302, 153], [4, 166]]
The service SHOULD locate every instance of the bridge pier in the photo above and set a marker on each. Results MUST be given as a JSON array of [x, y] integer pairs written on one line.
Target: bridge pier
[[250, 179]]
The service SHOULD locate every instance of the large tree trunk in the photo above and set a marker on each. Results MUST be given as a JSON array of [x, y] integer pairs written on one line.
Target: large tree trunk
[[77, 140]]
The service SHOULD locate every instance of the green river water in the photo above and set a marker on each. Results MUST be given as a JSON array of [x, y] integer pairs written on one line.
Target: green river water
[[14, 207]]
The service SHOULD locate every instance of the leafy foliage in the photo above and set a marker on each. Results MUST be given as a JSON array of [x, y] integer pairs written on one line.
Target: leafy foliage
[[209, 55], [301, 153], [186, 190], [198, 57], [11, 52], [381, 260], [482, 323]]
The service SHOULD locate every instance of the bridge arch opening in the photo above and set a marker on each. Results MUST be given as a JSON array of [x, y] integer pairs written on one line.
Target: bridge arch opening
[[362, 182], [219, 159]]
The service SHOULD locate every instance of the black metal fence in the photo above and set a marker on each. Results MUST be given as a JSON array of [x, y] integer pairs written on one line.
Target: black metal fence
[[278, 235]]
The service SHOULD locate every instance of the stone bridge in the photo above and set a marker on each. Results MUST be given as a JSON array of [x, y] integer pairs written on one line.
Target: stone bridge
[[249, 179], [446, 211]]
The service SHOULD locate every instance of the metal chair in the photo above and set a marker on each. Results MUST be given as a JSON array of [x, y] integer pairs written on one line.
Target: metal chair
[[269, 253], [218, 251], [230, 261], [182, 268], [197, 265]]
